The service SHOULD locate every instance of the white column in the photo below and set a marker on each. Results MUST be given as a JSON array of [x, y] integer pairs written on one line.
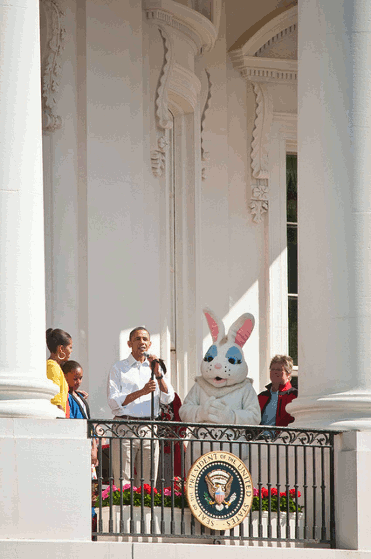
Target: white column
[[24, 388], [334, 136]]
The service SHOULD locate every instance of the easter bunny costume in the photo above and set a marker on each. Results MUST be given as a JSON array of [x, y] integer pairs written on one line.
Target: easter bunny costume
[[223, 394]]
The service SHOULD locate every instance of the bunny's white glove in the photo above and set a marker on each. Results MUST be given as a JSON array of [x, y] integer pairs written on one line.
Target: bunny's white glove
[[216, 411], [203, 414]]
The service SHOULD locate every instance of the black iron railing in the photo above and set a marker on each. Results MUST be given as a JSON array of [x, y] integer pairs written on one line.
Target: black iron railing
[[139, 494]]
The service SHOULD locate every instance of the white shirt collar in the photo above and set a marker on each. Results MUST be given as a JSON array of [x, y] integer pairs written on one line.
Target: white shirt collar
[[132, 361]]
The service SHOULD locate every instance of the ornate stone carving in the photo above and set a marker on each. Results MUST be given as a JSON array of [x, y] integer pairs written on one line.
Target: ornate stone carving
[[205, 156], [259, 200], [282, 73], [277, 40], [50, 63], [164, 119], [158, 157], [263, 121], [163, 116], [259, 151]]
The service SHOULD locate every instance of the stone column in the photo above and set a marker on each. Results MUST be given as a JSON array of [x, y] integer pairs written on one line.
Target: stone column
[[24, 388], [334, 145]]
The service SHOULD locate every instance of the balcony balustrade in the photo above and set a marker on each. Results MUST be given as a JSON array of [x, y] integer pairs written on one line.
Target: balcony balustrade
[[292, 472]]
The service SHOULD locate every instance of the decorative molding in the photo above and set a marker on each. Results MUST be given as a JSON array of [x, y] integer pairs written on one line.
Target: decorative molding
[[259, 200], [193, 25], [178, 88], [163, 116], [205, 155], [287, 130], [262, 127], [164, 119], [259, 151], [266, 70], [262, 71], [158, 157], [50, 65]]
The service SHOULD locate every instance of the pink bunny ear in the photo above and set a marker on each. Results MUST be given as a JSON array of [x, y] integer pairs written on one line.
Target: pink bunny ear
[[240, 331], [216, 326]]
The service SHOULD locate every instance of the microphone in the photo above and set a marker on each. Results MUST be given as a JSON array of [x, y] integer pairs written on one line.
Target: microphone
[[146, 355]]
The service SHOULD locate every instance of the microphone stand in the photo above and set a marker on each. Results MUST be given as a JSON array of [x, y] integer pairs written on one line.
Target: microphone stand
[[153, 365]]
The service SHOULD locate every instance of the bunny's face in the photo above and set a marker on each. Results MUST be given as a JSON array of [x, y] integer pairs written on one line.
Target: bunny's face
[[224, 365]]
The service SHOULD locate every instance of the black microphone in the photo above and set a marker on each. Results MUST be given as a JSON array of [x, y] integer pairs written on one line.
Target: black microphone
[[146, 355]]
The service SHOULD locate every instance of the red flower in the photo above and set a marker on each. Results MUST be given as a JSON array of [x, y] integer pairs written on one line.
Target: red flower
[[274, 491], [264, 492], [293, 493], [146, 489], [283, 494]]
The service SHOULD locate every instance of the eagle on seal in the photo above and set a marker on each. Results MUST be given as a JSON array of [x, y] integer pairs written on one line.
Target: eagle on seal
[[219, 483]]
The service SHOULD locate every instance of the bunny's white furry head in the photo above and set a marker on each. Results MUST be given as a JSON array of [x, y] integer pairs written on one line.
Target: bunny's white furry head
[[224, 363]]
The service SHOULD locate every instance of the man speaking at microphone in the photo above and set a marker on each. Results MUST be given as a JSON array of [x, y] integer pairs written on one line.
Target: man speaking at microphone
[[129, 392]]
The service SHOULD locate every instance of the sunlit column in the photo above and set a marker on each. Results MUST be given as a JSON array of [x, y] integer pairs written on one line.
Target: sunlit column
[[334, 175], [24, 388]]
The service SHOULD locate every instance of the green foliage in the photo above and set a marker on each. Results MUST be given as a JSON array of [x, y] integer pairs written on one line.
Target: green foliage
[[179, 500], [274, 504]]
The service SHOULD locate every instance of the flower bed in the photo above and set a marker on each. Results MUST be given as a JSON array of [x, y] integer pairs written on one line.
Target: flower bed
[[116, 522], [260, 500], [146, 493], [263, 496]]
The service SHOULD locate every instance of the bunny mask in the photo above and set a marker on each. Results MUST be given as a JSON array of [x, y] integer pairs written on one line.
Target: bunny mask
[[224, 363]]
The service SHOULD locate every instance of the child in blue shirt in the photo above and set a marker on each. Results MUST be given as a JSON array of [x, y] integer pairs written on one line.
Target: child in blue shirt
[[79, 407]]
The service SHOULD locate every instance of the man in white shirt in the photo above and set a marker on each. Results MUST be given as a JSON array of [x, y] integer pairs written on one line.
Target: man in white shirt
[[129, 390]]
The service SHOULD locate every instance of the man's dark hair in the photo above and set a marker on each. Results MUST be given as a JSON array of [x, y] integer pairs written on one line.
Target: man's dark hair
[[136, 330], [69, 366]]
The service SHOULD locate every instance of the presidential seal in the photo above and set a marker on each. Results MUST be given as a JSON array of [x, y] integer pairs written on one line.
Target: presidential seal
[[219, 490]]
